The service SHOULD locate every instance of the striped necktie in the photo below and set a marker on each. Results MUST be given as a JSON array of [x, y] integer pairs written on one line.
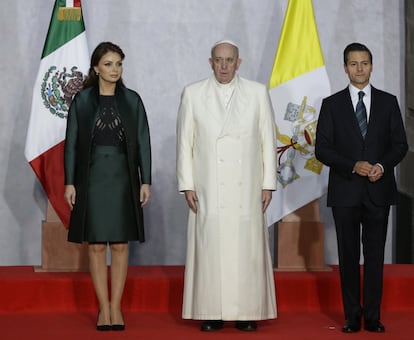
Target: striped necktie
[[361, 114]]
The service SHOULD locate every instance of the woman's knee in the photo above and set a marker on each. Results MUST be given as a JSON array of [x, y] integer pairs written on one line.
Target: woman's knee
[[97, 248], [119, 247]]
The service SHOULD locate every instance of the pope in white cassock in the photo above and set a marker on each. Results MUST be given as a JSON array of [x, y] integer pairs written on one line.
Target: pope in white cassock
[[226, 167]]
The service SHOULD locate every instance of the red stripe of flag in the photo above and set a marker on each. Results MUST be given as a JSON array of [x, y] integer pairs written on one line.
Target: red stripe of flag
[[48, 167]]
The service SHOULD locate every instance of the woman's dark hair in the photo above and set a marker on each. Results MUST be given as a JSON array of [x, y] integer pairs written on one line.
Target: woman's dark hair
[[356, 47], [104, 47]]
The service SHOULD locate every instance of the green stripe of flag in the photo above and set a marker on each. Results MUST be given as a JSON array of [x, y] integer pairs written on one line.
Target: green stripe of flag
[[65, 24]]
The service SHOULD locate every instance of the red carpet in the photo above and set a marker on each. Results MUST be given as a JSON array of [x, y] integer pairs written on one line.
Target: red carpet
[[36, 305], [160, 326]]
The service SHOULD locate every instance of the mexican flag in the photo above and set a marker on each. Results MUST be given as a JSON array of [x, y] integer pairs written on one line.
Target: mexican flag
[[64, 64], [297, 85]]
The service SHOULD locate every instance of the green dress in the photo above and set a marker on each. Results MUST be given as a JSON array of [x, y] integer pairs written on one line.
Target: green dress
[[109, 212]]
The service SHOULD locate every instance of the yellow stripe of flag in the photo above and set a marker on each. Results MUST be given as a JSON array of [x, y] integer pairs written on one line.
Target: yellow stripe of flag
[[299, 50]]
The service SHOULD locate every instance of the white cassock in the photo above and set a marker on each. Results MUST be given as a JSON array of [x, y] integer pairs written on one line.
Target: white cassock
[[227, 156]]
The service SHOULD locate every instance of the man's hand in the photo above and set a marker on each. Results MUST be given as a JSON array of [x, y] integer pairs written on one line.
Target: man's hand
[[363, 168], [375, 174], [266, 198], [191, 198]]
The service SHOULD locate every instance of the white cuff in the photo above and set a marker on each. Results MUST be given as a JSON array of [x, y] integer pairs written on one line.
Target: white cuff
[[382, 168]]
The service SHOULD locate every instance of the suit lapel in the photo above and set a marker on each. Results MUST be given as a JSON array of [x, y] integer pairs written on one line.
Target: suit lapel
[[349, 111], [374, 115]]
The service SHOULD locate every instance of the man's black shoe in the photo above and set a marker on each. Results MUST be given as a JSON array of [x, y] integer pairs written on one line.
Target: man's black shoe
[[374, 326], [211, 325], [247, 326], [351, 327]]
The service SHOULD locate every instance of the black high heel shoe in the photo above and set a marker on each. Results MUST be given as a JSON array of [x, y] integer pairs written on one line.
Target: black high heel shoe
[[118, 327], [103, 327]]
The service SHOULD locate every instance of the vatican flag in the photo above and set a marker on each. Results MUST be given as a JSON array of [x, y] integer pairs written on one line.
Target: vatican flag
[[297, 85]]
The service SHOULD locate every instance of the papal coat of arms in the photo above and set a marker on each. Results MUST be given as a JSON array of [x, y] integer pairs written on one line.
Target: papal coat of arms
[[300, 143], [58, 89]]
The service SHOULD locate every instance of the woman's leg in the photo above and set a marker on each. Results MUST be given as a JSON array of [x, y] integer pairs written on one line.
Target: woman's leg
[[99, 274], [119, 268]]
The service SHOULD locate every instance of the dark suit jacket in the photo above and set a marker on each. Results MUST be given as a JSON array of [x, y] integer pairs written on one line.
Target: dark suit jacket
[[339, 144], [80, 126]]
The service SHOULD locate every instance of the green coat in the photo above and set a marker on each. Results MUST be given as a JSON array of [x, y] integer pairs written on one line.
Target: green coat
[[80, 126]]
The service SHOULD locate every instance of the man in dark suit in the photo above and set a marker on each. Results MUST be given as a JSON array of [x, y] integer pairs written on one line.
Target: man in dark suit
[[361, 137]]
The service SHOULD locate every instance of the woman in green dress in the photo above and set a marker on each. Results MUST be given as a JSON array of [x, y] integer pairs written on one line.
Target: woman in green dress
[[107, 175]]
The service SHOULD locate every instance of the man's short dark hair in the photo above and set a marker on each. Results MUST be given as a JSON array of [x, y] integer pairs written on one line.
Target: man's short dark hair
[[353, 47]]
